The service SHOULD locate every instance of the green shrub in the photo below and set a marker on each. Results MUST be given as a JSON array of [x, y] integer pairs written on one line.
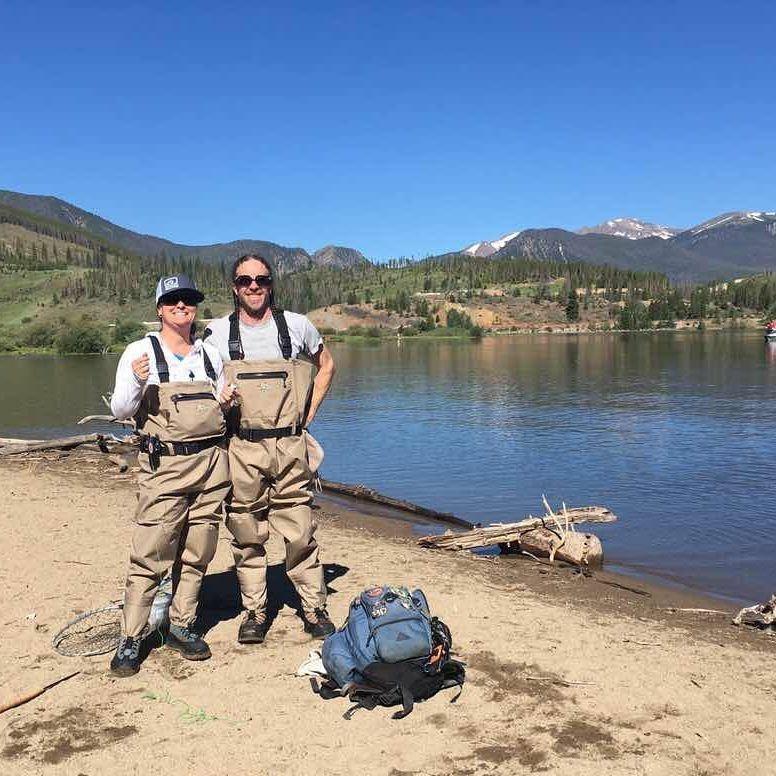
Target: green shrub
[[40, 335], [9, 340], [128, 331], [80, 338], [324, 330]]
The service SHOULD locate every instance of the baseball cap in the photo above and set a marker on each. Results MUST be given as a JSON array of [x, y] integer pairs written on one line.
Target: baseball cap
[[173, 284]]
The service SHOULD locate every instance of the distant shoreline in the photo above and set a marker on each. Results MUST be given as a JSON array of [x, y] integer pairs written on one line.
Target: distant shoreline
[[340, 337]]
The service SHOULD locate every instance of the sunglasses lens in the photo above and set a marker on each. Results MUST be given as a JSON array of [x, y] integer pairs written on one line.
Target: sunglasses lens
[[244, 281], [174, 299]]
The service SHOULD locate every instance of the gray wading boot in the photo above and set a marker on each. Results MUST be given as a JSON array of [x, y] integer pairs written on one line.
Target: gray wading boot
[[253, 628], [317, 623], [126, 661], [191, 645]]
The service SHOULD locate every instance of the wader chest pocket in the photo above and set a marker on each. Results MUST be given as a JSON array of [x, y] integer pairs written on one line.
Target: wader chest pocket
[[263, 376], [190, 416], [178, 397]]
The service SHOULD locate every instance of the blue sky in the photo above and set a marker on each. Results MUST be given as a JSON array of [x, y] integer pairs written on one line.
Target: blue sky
[[398, 129]]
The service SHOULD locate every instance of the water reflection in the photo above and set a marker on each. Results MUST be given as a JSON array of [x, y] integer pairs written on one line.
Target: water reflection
[[672, 431]]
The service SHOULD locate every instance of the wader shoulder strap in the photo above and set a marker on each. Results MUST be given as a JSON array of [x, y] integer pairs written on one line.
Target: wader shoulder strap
[[209, 371], [284, 338], [235, 345], [161, 362], [236, 352]]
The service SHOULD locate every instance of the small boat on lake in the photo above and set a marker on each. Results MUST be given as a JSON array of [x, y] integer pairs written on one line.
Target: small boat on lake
[[770, 332]]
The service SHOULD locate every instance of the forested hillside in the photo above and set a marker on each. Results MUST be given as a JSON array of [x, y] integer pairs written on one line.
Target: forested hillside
[[54, 277], [51, 210]]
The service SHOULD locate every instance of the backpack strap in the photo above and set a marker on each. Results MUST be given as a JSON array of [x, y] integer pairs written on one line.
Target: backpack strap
[[407, 702], [369, 699], [235, 344], [284, 338], [209, 371], [161, 362]]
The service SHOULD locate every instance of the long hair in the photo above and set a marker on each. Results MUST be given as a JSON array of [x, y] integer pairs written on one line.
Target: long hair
[[270, 269]]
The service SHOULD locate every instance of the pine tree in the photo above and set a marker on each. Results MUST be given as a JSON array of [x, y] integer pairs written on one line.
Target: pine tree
[[572, 306]]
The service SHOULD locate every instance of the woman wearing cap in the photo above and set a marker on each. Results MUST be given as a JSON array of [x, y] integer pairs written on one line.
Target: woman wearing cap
[[172, 385]]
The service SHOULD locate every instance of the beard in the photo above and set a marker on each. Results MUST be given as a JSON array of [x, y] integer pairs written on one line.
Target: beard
[[251, 309]]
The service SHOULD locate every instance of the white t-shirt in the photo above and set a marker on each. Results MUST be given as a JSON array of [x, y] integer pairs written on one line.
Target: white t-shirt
[[260, 341], [129, 390]]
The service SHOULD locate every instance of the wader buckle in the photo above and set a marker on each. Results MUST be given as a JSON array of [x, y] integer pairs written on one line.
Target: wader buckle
[[154, 448]]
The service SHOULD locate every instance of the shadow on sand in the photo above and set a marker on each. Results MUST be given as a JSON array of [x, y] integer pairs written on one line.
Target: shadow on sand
[[219, 598]]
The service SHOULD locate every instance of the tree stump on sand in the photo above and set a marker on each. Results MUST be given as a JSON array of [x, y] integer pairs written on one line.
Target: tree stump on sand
[[580, 549]]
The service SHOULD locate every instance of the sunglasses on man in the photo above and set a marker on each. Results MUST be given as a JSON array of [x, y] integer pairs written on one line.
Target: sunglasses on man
[[244, 281]]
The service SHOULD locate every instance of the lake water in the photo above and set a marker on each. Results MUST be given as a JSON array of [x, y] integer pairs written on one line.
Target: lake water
[[674, 432]]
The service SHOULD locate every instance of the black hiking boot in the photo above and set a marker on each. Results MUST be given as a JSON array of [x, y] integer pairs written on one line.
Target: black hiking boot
[[317, 623], [191, 645], [253, 628], [126, 661]]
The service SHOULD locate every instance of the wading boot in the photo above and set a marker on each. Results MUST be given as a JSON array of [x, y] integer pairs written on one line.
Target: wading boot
[[317, 623], [126, 661], [191, 645], [253, 628]]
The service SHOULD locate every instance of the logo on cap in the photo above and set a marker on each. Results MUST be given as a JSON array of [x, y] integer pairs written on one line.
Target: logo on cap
[[170, 283]]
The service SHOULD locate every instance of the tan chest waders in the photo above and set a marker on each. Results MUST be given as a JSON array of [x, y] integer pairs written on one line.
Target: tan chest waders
[[183, 481], [186, 416], [269, 467]]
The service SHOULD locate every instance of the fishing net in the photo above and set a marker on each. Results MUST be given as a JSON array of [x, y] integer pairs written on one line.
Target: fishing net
[[92, 633], [99, 630]]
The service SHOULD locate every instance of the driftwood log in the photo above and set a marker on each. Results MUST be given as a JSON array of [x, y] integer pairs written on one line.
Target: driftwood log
[[363, 493], [106, 419], [551, 536], [63, 443], [760, 616]]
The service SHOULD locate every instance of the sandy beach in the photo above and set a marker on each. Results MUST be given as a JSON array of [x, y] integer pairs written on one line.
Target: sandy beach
[[566, 674]]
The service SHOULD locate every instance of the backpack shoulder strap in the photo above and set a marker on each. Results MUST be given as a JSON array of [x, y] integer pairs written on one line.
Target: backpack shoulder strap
[[235, 344], [161, 362], [284, 338], [209, 370]]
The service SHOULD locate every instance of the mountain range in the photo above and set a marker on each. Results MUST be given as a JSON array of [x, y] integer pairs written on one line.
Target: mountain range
[[727, 246], [284, 258]]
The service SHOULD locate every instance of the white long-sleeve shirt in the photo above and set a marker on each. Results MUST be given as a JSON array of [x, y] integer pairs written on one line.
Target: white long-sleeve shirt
[[129, 391]]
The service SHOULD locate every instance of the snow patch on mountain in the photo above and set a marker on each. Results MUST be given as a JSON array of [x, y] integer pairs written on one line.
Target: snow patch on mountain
[[735, 219], [489, 247], [631, 229]]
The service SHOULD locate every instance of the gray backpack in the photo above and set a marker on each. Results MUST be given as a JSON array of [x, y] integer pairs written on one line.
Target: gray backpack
[[390, 650]]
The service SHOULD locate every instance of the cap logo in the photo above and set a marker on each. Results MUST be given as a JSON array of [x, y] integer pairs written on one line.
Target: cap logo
[[170, 283]]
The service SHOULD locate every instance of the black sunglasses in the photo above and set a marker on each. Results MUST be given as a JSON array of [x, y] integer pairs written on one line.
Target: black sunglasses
[[172, 299], [244, 281]]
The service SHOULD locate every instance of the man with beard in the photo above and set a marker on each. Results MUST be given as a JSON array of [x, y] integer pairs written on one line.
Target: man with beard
[[278, 371]]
